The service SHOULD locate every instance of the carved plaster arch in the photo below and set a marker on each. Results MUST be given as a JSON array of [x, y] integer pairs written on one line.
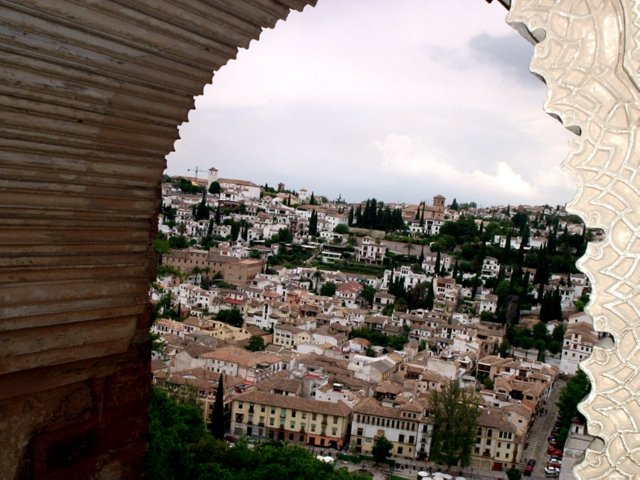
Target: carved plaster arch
[[588, 56], [92, 94]]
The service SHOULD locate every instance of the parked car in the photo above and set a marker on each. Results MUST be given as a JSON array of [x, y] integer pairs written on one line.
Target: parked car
[[528, 470], [554, 452], [552, 471]]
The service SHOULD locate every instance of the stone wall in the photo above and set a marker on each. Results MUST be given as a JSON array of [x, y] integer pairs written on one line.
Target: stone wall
[[91, 95]]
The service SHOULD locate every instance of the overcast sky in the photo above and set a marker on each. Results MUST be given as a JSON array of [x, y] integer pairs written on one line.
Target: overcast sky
[[394, 99]]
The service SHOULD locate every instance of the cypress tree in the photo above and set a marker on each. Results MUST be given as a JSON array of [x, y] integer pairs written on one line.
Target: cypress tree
[[350, 221], [313, 223], [474, 289], [217, 416], [430, 297], [507, 247], [358, 216]]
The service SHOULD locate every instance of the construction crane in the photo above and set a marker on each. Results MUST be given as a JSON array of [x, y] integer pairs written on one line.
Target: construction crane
[[195, 170]]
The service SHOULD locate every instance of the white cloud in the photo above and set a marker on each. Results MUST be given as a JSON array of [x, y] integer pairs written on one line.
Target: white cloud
[[407, 157], [312, 103]]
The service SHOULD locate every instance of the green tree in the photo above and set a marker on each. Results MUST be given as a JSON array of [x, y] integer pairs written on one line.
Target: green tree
[[368, 292], [231, 316], [174, 432], [313, 223], [381, 449], [217, 416], [181, 448], [215, 188], [455, 421], [341, 228], [161, 244], [201, 210], [178, 242], [558, 333], [514, 474], [255, 343], [328, 289], [576, 388], [540, 332]]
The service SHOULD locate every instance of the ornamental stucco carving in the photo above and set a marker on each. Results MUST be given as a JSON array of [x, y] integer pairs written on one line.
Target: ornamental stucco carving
[[588, 53]]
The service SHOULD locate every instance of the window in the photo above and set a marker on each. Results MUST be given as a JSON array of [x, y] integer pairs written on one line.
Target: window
[[399, 450], [401, 438]]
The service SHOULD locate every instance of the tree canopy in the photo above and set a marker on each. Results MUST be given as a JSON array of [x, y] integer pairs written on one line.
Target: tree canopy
[[328, 289], [455, 421], [381, 449], [181, 448], [231, 316], [255, 344], [576, 388]]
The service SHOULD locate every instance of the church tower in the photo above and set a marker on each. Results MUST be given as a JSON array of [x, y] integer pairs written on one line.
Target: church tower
[[213, 176]]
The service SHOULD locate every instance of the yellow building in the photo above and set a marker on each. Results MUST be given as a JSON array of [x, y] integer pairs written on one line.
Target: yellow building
[[498, 445], [291, 419]]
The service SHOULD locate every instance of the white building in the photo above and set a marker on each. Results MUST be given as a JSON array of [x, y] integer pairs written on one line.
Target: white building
[[578, 345], [490, 267], [370, 251]]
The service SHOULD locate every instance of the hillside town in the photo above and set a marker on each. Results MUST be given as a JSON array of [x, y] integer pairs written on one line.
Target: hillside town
[[330, 324]]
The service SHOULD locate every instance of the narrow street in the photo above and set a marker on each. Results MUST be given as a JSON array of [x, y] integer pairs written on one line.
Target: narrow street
[[542, 426]]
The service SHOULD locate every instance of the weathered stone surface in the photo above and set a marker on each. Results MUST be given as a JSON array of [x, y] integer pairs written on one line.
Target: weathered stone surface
[[91, 95]]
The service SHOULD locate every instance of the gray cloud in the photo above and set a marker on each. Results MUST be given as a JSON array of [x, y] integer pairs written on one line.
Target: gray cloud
[[511, 53]]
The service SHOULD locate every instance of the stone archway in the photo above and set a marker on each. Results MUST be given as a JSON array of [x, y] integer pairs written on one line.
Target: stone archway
[[92, 97]]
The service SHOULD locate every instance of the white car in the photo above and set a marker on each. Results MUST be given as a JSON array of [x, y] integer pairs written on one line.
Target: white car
[[552, 471]]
